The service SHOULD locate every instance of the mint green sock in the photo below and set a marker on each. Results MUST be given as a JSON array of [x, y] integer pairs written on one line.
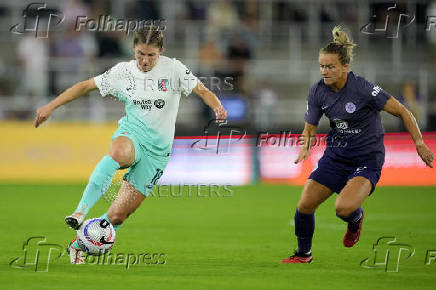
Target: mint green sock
[[104, 216], [99, 182]]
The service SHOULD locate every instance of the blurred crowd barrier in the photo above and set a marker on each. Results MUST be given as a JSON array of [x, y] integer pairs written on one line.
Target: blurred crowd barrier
[[267, 50], [402, 164], [68, 152], [55, 152]]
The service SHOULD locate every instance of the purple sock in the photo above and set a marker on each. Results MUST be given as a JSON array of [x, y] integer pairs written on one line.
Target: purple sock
[[304, 228], [353, 219]]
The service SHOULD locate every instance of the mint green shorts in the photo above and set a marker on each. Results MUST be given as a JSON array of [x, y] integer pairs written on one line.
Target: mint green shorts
[[147, 168]]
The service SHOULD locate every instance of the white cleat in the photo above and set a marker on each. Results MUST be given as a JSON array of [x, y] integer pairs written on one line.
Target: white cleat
[[75, 220], [77, 256]]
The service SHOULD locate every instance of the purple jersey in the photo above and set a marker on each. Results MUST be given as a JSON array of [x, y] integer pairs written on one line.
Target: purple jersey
[[354, 113]]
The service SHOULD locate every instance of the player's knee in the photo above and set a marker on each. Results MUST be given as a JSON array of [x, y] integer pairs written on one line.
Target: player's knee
[[121, 155], [343, 209], [306, 207]]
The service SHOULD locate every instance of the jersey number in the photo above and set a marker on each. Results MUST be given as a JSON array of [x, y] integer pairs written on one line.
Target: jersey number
[[155, 178]]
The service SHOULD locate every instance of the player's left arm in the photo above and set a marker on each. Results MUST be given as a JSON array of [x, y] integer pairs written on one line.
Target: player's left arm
[[395, 108], [211, 100]]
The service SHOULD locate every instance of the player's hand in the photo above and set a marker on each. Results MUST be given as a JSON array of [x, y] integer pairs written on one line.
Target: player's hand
[[426, 154], [304, 154], [220, 113], [42, 114]]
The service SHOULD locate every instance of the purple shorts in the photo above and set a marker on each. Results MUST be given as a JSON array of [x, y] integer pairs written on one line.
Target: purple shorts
[[335, 174]]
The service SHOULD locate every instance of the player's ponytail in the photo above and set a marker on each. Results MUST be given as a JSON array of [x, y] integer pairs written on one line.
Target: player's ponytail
[[341, 45]]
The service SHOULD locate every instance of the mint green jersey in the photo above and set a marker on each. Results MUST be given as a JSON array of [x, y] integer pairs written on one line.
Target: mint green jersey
[[151, 99]]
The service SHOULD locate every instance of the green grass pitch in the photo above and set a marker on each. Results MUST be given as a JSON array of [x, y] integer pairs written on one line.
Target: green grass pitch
[[216, 242]]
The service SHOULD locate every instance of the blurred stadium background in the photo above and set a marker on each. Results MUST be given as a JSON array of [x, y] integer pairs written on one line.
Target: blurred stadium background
[[269, 49]]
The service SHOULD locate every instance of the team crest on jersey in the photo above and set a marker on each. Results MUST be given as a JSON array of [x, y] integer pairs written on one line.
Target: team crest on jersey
[[350, 107], [163, 85], [159, 103]]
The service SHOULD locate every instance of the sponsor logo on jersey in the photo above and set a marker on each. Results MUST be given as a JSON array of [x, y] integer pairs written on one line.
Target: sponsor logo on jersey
[[159, 103], [350, 107], [375, 90], [340, 124], [163, 85], [144, 104], [148, 104], [342, 127]]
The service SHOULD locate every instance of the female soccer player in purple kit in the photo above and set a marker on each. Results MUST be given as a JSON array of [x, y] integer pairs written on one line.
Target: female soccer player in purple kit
[[354, 157]]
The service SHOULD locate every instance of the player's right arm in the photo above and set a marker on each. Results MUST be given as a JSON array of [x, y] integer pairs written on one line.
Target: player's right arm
[[79, 89], [312, 116], [307, 137]]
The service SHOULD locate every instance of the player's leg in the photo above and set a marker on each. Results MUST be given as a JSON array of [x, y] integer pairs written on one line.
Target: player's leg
[[314, 193], [348, 207], [312, 196], [137, 185], [126, 202], [121, 155]]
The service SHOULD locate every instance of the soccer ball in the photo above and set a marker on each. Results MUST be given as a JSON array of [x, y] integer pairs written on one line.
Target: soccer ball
[[96, 236]]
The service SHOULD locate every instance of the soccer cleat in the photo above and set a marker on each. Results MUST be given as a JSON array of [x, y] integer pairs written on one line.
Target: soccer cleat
[[298, 259], [75, 220], [77, 256], [350, 238]]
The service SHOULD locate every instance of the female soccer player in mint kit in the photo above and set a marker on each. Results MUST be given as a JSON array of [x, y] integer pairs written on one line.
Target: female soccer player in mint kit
[[150, 86], [353, 160]]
